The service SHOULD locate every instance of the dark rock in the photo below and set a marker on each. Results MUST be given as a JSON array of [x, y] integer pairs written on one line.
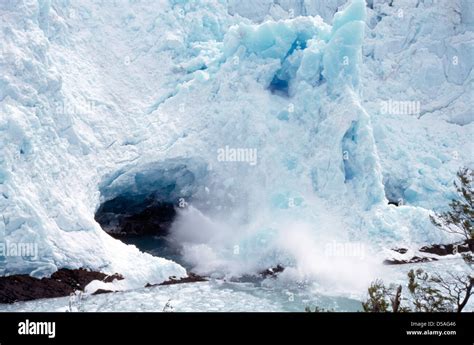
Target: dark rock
[[256, 278], [400, 250], [102, 291], [191, 278], [437, 249], [415, 259], [22, 287], [110, 279], [449, 249], [272, 272]]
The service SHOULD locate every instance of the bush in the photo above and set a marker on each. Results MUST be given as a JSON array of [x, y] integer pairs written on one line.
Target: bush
[[460, 219]]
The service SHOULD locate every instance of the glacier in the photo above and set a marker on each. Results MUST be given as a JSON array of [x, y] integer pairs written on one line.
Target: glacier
[[99, 101]]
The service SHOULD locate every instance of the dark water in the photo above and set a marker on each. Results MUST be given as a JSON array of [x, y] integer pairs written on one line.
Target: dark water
[[156, 246]]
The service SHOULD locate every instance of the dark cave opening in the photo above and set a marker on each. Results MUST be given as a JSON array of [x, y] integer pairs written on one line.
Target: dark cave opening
[[142, 221], [139, 205], [127, 216]]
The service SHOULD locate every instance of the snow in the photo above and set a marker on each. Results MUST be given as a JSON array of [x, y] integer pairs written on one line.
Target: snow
[[97, 100]]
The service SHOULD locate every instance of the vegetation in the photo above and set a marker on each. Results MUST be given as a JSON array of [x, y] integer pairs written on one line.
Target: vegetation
[[384, 299], [434, 292], [428, 293], [460, 219]]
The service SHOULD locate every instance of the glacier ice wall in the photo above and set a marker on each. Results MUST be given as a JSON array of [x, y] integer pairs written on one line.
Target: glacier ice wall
[[425, 55], [412, 51], [95, 97], [59, 121]]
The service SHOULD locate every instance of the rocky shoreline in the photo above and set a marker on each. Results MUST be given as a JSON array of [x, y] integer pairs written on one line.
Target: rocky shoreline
[[22, 287], [191, 278], [435, 251]]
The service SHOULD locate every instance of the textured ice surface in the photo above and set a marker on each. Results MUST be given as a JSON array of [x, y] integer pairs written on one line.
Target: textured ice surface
[[412, 51], [97, 99], [186, 297], [217, 295]]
